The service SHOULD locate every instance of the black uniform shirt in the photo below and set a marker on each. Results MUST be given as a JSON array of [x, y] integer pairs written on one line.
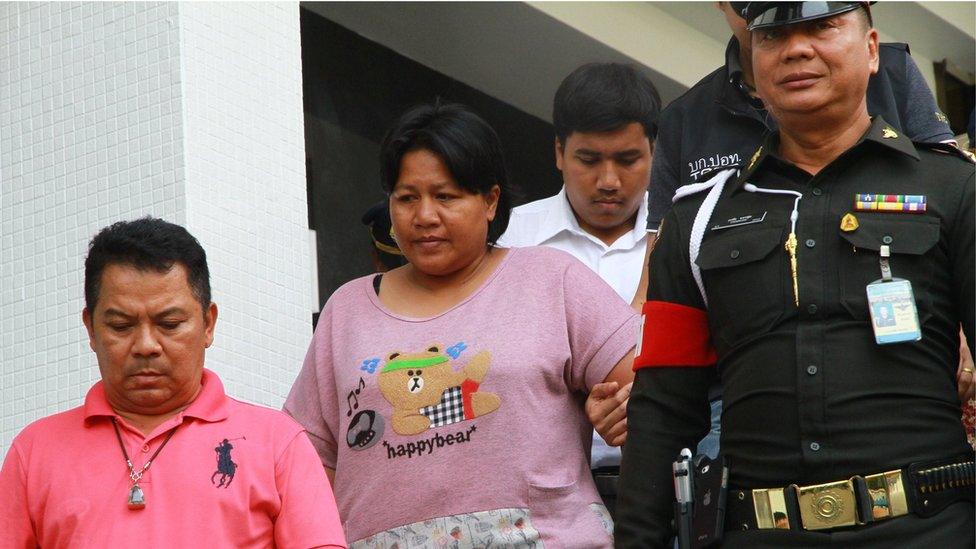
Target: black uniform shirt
[[716, 125], [809, 397]]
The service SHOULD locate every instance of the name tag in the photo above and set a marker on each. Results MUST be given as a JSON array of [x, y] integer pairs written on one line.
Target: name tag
[[894, 317], [740, 220]]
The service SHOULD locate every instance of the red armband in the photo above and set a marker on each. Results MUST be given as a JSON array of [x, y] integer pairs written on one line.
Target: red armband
[[673, 335]]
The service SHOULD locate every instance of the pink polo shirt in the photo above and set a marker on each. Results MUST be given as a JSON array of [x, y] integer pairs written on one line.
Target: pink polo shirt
[[64, 482]]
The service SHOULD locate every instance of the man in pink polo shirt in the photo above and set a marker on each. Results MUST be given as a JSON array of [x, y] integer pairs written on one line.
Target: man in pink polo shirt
[[158, 455]]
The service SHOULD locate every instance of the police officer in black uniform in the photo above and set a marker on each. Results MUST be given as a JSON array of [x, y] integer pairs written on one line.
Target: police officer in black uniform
[[719, 122], [769, 279]]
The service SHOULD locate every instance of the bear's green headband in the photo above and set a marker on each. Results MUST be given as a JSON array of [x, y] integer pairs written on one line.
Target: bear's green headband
[[415, 363]]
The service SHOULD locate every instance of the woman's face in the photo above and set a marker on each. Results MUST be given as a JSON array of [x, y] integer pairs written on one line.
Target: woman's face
[[440, 227]]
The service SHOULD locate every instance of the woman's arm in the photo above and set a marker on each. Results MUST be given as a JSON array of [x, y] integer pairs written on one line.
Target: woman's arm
[[606, 406]]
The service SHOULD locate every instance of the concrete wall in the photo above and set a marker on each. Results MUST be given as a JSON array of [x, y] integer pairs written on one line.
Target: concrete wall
[[189, 112]]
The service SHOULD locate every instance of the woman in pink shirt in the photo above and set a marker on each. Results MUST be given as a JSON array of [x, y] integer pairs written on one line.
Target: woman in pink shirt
[[445, 397]]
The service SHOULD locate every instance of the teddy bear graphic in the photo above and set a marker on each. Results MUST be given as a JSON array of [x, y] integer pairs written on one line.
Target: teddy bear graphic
[[425, 390]]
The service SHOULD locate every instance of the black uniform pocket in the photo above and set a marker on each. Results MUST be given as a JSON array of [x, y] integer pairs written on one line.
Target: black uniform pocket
[[909, 237], [744, 272]]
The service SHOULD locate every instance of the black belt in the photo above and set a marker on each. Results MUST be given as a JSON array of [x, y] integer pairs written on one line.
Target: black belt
[[921, 488]]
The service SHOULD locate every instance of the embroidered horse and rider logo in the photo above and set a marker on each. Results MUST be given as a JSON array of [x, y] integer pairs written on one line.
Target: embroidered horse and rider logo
[[225, 465]]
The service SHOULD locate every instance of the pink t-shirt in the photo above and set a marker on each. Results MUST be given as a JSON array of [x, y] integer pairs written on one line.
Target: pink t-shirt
[[233, 475], [466, 427]]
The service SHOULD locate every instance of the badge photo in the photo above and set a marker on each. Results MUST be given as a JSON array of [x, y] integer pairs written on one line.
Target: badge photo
[[894, 317]]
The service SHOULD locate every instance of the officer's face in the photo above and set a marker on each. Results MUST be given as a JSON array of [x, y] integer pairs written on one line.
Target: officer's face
[[149, 335], [819, 66], [606, 175]]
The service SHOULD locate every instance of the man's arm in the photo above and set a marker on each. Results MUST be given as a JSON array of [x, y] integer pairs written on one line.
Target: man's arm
[[669, 411], [308, 516], [665, 175], [16, 527], [641, 295], [668, 406], [924, 122]]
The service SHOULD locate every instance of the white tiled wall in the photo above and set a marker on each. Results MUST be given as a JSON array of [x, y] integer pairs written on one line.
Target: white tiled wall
[[246, 191], [189, 112], [90, 133]]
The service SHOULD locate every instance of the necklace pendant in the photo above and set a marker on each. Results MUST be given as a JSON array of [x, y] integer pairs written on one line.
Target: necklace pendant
[[137, 500]]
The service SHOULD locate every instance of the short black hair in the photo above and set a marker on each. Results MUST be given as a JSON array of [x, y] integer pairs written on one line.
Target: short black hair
[[603, 97], [467, 145], [146, 244]]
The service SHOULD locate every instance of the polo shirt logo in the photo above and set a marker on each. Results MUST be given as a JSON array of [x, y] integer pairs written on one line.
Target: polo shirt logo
[[225, 465]]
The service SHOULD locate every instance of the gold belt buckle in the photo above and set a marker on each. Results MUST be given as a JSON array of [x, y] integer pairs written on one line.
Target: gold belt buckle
[[830, 505], [887, 493]]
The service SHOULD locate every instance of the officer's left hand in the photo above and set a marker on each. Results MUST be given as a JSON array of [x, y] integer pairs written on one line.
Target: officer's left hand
[[606, 408], [964, 375]]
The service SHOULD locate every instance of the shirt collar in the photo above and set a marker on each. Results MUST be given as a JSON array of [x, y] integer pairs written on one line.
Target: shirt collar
[[210, 404], [561, 218], [880, 133]]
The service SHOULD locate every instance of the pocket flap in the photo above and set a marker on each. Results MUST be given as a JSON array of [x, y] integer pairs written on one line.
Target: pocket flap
[[904, 234], [739, 247]]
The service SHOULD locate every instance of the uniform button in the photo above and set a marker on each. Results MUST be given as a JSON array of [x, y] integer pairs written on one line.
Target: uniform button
[[812, 370], [815, 446], [145, 448], [817, 191], [812, 309], [811, 243], [734, 254], [887, 239]]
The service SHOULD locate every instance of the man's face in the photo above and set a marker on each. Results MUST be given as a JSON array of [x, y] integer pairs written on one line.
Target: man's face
[[606, 175], [815, 66], [149, 335]]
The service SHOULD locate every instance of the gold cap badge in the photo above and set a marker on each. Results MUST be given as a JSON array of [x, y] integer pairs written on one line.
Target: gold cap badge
[[888, 133], [848, 223]]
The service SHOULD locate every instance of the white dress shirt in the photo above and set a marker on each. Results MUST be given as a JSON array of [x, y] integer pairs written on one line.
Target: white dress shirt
[[551, 222]]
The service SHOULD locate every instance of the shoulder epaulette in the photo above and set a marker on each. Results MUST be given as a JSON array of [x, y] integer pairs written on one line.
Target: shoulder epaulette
[[695, 188], [948, 148]]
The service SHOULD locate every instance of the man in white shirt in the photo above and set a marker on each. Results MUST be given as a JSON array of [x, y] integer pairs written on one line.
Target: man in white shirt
[[604, 115]]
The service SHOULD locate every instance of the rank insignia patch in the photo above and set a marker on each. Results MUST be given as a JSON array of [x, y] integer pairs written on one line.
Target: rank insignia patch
[[894, 203], [888, 133], [848, 223]]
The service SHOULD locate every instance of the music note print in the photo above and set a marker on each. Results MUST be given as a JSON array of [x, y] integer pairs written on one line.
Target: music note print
[[352, 399]]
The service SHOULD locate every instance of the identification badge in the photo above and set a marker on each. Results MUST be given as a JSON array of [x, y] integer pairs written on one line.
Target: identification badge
[[894, 316], [740, 220]]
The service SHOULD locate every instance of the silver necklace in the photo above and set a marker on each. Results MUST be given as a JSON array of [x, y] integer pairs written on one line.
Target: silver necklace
[[137, 498]]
